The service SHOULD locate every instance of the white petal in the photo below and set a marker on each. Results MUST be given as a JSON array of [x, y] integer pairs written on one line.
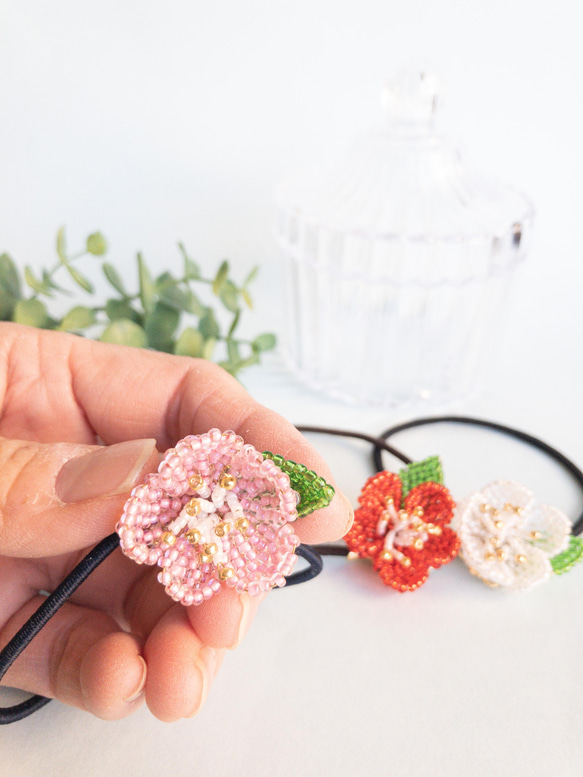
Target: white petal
[[531, 572], [502, 492], [553, 526]]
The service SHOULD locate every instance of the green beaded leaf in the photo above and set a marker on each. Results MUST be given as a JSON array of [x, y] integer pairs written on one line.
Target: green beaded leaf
[[566, 560], [421, 472], [314, 492]]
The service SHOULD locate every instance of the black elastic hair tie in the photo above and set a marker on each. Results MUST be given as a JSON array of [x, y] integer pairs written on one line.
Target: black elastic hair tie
[[70, 584], [560, 458]]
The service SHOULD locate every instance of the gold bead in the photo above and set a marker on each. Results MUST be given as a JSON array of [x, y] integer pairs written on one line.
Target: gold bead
[[390, 501], [168, 538], [193, 536], [406, 561], [520, 559], [226, 573], [495, 542], [489, 556], [498, 524], [495, 512], [195, 482], [418, 511], [485, 508], [352, 556], [535, 535], [241, 524], [204, 559], [210, 549], [193, 507], [435, 530], [227, 481], [500, 554], [418, 544], [222, 528], [386, 555]]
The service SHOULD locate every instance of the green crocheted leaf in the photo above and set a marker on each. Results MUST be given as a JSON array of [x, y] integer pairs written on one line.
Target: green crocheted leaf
[[566, 560], [421, 472], [314, 492]]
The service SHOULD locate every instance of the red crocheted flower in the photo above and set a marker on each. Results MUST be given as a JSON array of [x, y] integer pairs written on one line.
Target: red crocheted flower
[[403, 542]]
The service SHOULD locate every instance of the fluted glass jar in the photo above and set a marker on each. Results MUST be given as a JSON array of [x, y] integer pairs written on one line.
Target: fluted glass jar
[[397, 261]]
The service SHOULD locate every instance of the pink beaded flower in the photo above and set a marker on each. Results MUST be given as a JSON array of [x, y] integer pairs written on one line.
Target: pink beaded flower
[[216, 512]]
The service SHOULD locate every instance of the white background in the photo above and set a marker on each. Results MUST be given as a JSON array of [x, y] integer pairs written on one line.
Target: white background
[[156, 122]]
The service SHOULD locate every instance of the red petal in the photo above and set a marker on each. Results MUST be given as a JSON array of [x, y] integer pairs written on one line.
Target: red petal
[[379, 488], [400, 577], [436, 501], [441, 549], [362, 537]]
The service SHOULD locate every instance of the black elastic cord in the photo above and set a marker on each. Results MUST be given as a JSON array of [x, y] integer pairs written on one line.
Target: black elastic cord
[[516, 433], [376, 441], [39, 619], [312, 556]]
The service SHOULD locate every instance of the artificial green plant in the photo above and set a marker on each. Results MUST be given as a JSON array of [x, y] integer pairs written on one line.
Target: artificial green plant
[[165, 314]]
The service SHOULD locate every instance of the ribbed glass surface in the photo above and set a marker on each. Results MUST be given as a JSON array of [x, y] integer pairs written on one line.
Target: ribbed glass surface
[[397, 262]]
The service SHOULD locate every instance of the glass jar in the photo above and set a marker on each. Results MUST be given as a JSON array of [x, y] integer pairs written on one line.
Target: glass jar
[[397, 261]]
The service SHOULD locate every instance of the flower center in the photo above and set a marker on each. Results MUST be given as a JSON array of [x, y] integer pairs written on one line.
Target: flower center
[[208, 517], [402, 529], [506, 533]]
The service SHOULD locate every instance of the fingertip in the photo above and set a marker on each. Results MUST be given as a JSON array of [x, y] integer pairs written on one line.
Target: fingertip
[[329, 523], [113, 676], [223, 621], [176, 686]]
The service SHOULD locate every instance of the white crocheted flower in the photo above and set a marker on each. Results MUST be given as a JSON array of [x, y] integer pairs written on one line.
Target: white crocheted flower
[[506, 538]]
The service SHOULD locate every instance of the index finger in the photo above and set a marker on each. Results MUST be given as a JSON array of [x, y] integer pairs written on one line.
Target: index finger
[[128, 393]]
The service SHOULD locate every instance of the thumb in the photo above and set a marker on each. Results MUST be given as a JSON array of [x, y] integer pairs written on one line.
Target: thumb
[[60, 497]]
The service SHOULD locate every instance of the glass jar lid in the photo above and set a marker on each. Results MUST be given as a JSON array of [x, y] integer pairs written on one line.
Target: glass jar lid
[[403, 181]]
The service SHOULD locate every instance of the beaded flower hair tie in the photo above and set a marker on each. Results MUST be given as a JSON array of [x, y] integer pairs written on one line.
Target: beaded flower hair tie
[[409, 523], [217, 512]]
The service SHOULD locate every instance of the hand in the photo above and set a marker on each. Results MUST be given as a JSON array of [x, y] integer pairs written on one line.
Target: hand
[[81, 424]]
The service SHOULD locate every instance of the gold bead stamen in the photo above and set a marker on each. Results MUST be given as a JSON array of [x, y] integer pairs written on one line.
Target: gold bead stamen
[[222, 528], [227, 481], [192, 508], [168, 538], [195, 482], [193, 536]]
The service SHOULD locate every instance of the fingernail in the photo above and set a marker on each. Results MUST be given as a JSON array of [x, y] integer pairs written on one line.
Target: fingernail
[[110, 470], [140, 687], [205, 663], [248, 608], [350, 510]]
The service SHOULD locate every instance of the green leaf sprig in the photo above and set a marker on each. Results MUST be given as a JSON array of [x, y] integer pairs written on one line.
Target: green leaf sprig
[[165, 314]]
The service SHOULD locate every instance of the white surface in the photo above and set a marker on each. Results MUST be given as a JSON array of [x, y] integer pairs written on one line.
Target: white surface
[[163, 121]]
